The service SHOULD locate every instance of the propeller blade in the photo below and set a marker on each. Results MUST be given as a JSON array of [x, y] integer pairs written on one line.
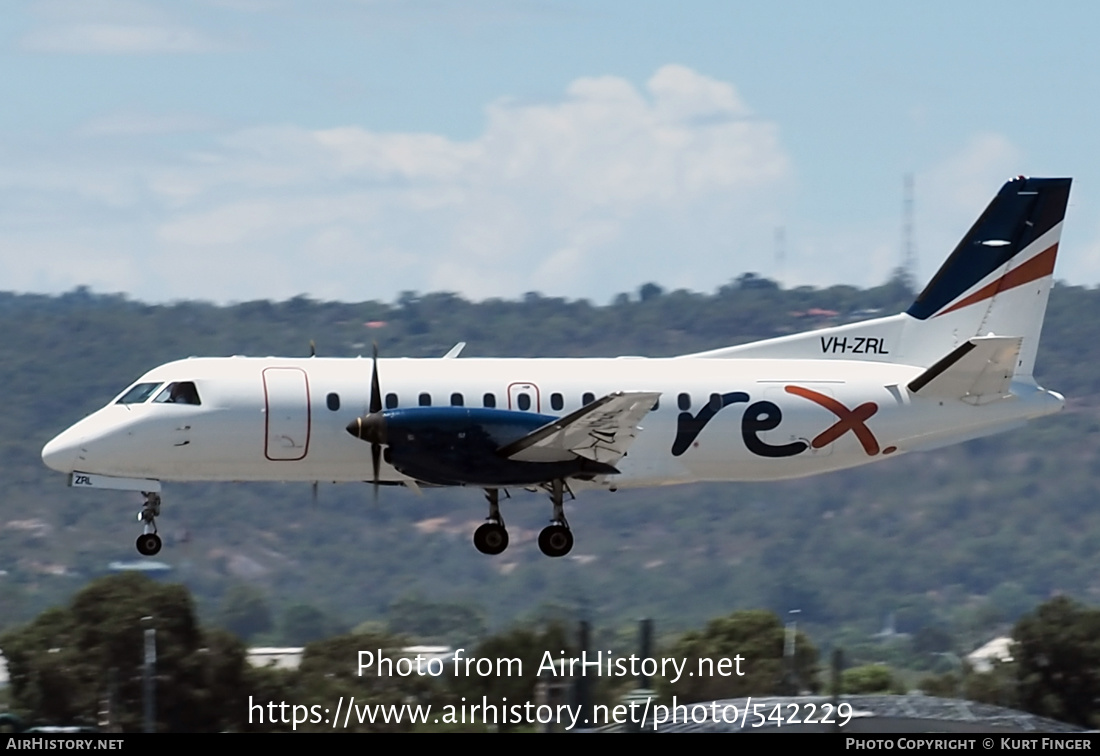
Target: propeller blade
[[375, 461], [372, 426], [375, 389]]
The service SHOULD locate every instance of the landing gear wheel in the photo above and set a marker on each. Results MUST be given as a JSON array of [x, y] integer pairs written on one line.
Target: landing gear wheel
[[491, 538], [555, 540], [148, 544]]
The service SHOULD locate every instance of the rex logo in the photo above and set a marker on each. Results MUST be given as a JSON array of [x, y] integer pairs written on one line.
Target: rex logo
[[765, 416], [847, 420]]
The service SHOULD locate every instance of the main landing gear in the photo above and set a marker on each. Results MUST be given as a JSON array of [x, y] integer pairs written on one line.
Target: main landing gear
[[492, 538], [555, 540], [148, 543]]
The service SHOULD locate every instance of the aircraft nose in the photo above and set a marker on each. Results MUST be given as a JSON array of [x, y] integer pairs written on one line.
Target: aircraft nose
[[61, 452]]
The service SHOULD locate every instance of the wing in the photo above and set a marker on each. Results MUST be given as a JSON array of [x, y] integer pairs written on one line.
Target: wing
[[601, 431]]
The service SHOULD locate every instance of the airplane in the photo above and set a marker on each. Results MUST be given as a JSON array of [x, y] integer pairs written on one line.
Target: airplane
[[956, 365]]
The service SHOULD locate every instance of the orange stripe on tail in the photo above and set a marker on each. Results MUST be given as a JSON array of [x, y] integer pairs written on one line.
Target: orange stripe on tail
[[1035, 268]]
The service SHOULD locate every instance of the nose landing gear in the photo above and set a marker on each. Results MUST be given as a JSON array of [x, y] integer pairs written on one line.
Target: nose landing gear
[[148, 543]]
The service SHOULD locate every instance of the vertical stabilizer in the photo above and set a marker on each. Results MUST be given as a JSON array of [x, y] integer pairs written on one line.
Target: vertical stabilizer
[[999, 277], [995, 283]]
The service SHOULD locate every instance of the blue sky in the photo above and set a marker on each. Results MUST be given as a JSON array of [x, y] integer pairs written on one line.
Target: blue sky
[[241, 149]]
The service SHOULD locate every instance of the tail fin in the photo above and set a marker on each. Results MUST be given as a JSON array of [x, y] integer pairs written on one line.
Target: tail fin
[[995, 283], [999, 277]]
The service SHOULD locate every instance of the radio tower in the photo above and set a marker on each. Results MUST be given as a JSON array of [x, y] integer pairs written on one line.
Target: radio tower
[[908, 247]]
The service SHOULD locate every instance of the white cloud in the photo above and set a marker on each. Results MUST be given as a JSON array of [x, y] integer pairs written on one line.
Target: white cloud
[[80, 11], [115, 27], [118, 39], [949, 196], [139, 124], [972, 175], [1079, 251], [956, 190], [952, 194], [682, 95], [593, 194], [549, 194]]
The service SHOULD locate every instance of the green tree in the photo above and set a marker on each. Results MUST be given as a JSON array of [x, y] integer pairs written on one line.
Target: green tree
[[51, 680], [304, 624], [69, 662], [946, 685], [430, 621], [330, 670], [267, 685], [997, 686], [1057, 651], [758, 637], [527, 645], [868, 678], [244, 611]]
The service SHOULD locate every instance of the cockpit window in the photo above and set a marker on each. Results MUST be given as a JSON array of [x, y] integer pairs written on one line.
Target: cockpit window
[[138, 393], [182, 392]]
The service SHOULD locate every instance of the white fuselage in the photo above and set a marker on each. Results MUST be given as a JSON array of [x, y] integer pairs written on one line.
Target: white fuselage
[[957, 364], [269, 419]]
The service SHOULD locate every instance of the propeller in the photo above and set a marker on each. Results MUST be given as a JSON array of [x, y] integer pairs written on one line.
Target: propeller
[[372, 426]]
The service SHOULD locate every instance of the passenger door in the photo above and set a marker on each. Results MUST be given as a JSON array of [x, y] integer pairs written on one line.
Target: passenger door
[[286, 401]]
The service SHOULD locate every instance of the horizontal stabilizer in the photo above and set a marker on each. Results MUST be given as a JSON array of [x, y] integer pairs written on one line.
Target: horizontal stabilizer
[[978, 371], [601, 431]]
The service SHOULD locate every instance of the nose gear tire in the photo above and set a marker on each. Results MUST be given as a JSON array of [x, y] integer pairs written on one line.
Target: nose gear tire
[[148, 544]]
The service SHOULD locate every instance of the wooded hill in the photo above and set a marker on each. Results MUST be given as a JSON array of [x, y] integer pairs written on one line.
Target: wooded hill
[[967, 538]]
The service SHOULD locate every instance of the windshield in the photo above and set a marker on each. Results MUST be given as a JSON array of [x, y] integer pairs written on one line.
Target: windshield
[[182, 392], [138, 393]]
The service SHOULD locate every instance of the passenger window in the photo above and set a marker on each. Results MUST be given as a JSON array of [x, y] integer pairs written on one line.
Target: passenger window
[[138, 393], [457, 400], [489, 400], [556, 401], [715, 402], [332, 401], [683, 401], [425, 399], [523, 401], [391, 401], [588, 398], [182, 392]]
